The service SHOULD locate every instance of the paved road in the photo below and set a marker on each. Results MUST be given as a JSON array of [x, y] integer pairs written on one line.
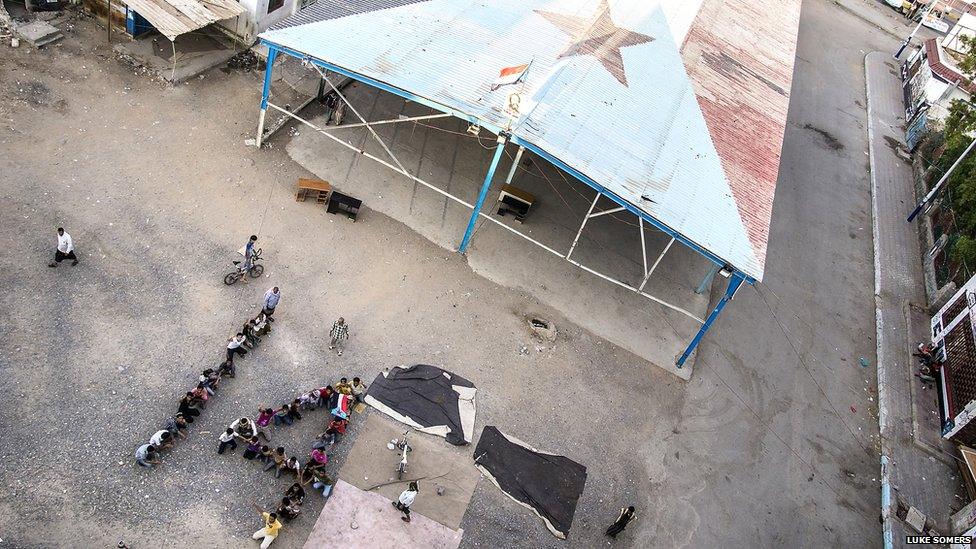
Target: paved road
[[786, 446]]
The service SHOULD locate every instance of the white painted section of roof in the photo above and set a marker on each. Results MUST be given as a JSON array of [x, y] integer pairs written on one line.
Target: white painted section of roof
[[637, 130], [175, 17]]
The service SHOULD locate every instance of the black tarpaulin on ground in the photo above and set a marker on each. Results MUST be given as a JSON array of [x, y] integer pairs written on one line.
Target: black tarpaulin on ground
[[431, 399], [548, 484]]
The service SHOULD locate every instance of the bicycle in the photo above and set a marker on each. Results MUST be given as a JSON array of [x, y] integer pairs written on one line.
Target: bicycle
[[400, 444], [255, 271]]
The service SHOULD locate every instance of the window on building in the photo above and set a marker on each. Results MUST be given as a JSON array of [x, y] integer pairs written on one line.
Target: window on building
[[275, 4]]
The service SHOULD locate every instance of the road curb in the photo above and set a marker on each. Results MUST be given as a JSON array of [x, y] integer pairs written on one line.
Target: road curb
[[868, 21], [879, 325]]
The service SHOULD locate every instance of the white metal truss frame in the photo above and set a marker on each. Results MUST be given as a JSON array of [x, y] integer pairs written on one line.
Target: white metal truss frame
[[403, 171]]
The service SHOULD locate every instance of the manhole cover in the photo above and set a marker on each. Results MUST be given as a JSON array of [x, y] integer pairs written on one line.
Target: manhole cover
[[543, 328]]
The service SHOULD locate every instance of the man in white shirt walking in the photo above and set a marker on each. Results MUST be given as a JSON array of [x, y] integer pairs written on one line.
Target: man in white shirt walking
[[405, 500], [66, 249], [234, 347]]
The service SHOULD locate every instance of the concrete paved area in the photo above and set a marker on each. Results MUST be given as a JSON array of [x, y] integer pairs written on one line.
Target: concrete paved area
[[441, 152], [195, 52], [360, 519], [759, 449], [930, 484], [432, 463]]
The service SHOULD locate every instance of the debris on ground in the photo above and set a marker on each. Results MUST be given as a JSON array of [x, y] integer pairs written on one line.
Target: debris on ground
[[245, 61]]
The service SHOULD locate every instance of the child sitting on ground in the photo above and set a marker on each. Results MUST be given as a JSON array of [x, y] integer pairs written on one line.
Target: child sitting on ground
[[358, 389], [288, 509], [282, 416], [291, 465], [162, 439], [264, 417], [261, 324], [226, 369], [293, 412], [344, 387], [309, 400], [319, 457], [320, 480], [253, 449], [200, 395], [210, 379], [251, 339], [176, 426], [296, 493], [277, 459], [325, 394]]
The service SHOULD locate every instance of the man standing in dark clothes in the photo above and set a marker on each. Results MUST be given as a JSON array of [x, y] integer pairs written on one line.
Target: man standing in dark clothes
[[271, 299], [626, 515]]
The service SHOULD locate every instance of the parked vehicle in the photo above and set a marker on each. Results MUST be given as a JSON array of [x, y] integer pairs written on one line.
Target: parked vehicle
[[934, 21]]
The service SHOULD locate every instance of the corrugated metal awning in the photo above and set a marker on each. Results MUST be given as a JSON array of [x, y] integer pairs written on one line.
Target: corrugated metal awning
[[677, 107], [175, 17]]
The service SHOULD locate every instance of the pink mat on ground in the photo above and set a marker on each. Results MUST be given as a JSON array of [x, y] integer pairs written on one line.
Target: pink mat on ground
[[355, 518]]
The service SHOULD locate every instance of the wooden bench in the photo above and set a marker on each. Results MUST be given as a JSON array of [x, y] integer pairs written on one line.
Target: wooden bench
[[314, 187]]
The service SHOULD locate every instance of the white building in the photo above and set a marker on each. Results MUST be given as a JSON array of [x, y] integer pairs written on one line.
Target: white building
[[260, 15], [932, 81]]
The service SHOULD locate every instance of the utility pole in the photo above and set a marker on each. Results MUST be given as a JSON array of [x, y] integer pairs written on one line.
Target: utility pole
[[938, 186], [918, 26]]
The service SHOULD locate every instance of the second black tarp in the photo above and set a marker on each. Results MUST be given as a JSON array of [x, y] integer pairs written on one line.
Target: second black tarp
[[548, 484]]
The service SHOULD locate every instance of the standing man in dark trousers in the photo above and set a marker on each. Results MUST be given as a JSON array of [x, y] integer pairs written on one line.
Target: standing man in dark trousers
[[271, 298], [626, 515], [66, 249]]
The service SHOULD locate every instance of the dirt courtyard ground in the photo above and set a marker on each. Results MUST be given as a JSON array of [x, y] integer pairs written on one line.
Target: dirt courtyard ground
[[158, 189]]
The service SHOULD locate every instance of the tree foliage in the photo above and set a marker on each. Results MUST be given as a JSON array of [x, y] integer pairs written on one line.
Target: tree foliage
[[959, 131]]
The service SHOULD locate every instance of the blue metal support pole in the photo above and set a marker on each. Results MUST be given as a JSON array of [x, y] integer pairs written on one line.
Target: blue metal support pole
[[499, 149], [265, 92], [735, 281]]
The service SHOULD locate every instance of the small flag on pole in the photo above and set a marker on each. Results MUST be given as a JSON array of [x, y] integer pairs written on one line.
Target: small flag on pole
[[509, 75]]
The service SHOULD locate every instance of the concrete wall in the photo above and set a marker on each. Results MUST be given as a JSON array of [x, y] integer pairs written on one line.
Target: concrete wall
[[257, 19], [941, 95]]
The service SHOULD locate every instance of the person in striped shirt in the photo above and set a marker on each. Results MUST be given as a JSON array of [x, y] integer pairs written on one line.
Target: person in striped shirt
[[339, 334]]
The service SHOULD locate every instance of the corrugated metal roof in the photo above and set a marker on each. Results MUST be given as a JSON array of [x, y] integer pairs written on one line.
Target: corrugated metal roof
[[739, 57], [175, 17], [607, 92], [933, 55], [323, 10]]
